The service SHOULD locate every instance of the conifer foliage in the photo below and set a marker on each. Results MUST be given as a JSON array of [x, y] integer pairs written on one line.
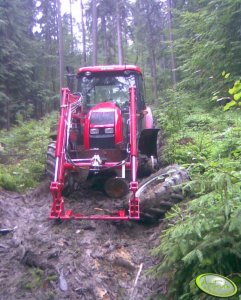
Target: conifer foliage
[[202, 234], [189, 52]]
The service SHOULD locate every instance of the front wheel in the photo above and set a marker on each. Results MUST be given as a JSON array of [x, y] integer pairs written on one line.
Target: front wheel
[[51, 160], [69, 184]]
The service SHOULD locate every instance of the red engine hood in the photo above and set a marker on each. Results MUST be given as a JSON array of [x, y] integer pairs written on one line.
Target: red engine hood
[[109, 116]]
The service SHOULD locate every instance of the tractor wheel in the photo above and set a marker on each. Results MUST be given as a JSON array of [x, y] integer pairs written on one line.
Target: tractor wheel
[[70, 184], [159, 192], [50, 161]]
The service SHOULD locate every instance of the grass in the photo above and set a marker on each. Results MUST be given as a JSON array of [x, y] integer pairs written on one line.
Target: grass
[[23, 153]]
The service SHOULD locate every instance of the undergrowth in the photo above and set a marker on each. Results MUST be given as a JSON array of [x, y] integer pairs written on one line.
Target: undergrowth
[[23, 153], [203, 235]]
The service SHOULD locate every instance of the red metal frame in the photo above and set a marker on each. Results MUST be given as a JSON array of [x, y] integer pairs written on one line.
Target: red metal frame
[[111, 68], [104, 107], [56, 187]]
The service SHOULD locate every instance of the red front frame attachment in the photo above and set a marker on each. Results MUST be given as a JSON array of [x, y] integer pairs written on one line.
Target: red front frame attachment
[[56, 187]]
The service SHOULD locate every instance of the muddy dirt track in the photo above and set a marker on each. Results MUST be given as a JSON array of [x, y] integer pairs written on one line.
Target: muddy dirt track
[[89, 260]]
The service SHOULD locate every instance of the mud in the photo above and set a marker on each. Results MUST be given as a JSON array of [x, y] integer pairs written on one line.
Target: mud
[[102, 260]]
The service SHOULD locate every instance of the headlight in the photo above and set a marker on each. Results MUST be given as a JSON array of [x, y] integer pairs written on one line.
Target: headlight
[[94, 130], [109, 130]]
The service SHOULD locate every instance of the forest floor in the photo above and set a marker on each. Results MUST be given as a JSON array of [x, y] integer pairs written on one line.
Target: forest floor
[[102, 260]]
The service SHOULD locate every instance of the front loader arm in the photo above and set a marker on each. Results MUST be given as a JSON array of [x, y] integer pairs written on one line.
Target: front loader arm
[[134, 209], [56, 187]]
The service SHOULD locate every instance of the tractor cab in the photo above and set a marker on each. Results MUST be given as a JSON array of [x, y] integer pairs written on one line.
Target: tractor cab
[[98, 84], [105, 96]]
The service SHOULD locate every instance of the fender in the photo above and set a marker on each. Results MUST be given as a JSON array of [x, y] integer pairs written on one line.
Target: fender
[[147, 142]]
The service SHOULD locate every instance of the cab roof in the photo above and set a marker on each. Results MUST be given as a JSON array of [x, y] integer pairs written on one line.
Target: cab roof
[[109, 68]]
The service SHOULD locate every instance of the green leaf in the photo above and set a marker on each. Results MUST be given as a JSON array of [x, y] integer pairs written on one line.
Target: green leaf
[[229, 105], [237, 84], [231, 91], [189, 257], [199, 255], [236, 279], [223, 73], [227, 75], [237, 96]]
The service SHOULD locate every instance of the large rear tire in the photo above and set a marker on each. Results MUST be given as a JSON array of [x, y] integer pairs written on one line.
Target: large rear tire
[[160, 191]]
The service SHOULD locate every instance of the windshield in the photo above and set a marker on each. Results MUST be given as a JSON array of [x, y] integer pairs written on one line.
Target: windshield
[[106, 87]]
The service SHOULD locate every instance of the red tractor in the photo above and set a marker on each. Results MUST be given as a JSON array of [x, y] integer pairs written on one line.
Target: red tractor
[[105, 134]]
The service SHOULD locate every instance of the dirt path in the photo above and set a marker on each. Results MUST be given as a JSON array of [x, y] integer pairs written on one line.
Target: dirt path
[[71, 260]]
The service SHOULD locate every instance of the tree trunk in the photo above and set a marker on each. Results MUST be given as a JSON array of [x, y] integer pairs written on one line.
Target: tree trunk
[[152, 54], [83, 31], [119, 35], [61, 48], [173, 61], [154, 74], [7, 106], [94, 33], [71, 27], [104, 42], [47, 49]]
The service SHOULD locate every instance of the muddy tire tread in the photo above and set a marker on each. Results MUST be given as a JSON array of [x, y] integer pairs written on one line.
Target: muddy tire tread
[[50, 160], [158, 197]]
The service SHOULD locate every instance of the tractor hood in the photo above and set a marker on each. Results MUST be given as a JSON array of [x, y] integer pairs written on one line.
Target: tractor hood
[[103, 126]]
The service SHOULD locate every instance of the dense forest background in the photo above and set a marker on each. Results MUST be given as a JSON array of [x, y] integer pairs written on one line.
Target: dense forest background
[[190, 54], [177, 43]]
